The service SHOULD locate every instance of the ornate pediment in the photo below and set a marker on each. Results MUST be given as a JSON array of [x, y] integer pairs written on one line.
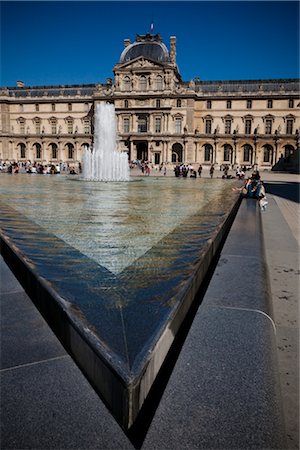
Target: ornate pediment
[[140, 63]]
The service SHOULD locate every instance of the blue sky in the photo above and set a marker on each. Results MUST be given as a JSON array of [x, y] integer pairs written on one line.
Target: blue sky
[[74, 42]]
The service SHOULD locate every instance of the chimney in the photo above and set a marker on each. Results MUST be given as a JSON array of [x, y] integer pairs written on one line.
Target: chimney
[[173, 49], [126, 42]]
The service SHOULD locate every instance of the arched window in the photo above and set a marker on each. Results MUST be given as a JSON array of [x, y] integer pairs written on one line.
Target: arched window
[[208, 152], [70, 151], [22, 150], [38, 151], [126, 84], [227, 152], [159, 83], [268, 151], [53, 151], [247, 152], [143, 83]]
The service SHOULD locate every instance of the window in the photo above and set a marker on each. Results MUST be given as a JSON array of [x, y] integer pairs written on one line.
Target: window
[[157, 124], [247, 152], [268, 127], [70, 151], [291, 103], [38, 151], [268, 153], [227, 126], [159, 83], [270, 104], [37, 107], [157, 103], [249, 104], [126, 84], [53, 126], [22, 126], [142, 124], [86, 126], [207, 152], [208, 124], [228, 104], [70, 126], [54, 151], [227, 152], [69, 106], [126, 125], [178, 124], [143, 83], [178, 103], [248, 124], [53, 106], [38, 126], [208, 104], [125, 103], [289, 126], [22, 151], [21, 107]]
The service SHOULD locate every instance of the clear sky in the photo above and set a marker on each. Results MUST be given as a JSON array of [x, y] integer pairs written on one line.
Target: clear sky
[[70, 42]]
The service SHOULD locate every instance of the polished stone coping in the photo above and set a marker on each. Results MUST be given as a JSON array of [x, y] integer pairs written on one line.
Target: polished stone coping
[[117, 328]]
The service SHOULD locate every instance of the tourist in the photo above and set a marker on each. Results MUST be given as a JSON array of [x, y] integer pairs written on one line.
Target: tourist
[[211, 171], [200, 171], [165, 171]]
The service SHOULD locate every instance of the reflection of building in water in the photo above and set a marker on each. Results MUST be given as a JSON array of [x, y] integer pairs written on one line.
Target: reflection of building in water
[[160, 117]]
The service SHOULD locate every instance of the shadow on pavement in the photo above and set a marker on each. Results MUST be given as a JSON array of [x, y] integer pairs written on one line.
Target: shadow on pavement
[[288, 190]]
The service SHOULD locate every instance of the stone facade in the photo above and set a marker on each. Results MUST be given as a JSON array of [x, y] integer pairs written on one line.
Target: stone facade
[[160, 117]]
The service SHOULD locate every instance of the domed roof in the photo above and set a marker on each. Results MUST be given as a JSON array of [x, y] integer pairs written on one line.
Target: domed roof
[[149, 46]]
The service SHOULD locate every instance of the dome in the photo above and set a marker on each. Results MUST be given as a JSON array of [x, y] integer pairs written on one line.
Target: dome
[[148, 46]]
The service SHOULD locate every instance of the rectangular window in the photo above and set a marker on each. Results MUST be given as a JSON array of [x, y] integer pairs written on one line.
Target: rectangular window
[[208, 104], [178, 125], [248, 124], [70, 126], [208, 124], [126, 125], [227, 126], [21, 107], [157, 124], [69, 106], [53, 106], [157, 103], [228, 104], [249, 104], [53, 126], [291, 103], [270, 104], [268, 126], [289, 126], [22, 126], [142, 125], [38, 127], [37, 107], [87, 128]]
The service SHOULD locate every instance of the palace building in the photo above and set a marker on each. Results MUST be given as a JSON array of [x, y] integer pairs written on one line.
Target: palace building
[[160, 117]]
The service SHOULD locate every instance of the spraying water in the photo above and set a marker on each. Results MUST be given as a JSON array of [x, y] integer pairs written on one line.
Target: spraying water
[[103, 162]]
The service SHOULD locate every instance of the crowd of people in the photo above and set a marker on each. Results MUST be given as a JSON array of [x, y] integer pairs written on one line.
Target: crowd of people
[[36, 167]]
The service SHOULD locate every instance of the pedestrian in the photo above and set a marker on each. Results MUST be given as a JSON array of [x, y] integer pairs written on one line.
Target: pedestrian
[[211, 171]]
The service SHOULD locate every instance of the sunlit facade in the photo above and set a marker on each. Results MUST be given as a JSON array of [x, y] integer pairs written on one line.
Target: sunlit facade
[[160, 117]]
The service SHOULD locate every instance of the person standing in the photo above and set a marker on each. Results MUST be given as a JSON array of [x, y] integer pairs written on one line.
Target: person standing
[[200, 171], [211, 171]]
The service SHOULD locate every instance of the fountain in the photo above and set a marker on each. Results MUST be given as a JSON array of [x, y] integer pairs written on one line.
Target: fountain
[[103, 162]]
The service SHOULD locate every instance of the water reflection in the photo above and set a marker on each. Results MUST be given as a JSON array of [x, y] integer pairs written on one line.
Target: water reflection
[[114, 223]]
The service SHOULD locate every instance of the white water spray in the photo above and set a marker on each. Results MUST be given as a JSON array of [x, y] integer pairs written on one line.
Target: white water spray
[[103, 162]]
